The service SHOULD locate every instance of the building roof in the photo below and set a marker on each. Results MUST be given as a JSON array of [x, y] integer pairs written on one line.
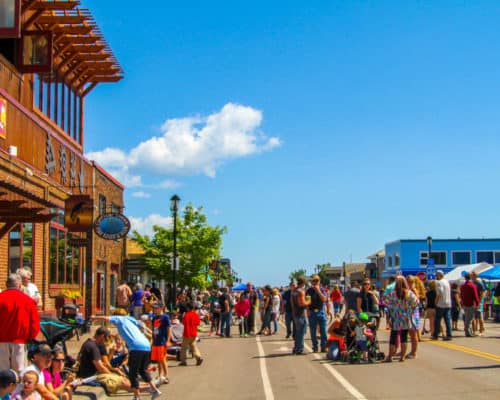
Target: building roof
[[80, 53], [133, 249], [380, 253]]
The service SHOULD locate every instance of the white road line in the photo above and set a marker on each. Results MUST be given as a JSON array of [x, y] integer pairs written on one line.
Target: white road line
[[268, 391], [337, 375]]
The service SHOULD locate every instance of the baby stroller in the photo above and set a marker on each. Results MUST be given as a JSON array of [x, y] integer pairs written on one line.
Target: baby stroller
[[354, 350], [56, 332]]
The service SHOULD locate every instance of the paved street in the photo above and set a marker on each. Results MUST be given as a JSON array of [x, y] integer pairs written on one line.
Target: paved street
[[263, 368]]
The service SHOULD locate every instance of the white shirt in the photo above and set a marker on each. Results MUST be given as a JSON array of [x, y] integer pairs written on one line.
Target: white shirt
[[276, 304], [443, 292]]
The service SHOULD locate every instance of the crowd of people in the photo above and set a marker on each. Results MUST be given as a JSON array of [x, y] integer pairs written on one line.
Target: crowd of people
[[149, 327]]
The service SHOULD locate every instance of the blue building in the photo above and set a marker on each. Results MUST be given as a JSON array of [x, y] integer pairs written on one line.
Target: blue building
[[410, 256]]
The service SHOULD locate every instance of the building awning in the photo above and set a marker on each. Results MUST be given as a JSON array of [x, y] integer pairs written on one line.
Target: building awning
[[80, 53]]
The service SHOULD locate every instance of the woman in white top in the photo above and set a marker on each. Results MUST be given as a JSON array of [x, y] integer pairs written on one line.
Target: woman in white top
[[275, 311]]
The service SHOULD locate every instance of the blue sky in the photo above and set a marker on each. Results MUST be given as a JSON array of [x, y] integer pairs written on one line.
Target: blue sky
[[315, 132]]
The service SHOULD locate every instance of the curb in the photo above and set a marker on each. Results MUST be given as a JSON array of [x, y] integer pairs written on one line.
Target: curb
[[86, 392]]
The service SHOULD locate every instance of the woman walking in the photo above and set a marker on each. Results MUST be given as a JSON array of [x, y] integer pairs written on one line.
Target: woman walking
[[400, 303]]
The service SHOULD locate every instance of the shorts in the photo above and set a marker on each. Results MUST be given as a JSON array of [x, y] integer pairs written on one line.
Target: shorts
[[113, 382], [478, 314], [363, 346], [158, 353]]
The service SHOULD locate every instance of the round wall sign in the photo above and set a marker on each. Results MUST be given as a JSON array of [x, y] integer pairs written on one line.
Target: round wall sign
[[112, 226]]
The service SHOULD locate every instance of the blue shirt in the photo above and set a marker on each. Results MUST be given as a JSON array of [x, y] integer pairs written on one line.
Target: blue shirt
[[128, 328], [160, 325]]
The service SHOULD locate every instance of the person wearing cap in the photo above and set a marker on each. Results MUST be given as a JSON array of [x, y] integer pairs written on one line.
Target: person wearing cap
[[139, 352], [20, 323], [443, 305], [287, 295], [41, 357], [161, 335], [8, 383], [470, 302], [317, 314]]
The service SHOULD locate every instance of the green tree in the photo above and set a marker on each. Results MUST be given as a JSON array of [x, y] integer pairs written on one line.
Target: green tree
[[297, 273], [197, 244]]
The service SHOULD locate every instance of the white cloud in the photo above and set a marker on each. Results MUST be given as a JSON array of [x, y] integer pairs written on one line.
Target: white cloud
[[145, 225], [191, 146], [168, 184], [141, 195]]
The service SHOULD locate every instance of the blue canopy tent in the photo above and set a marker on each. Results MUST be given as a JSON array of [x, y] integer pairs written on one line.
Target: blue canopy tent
[[492, 273], [240, 287]]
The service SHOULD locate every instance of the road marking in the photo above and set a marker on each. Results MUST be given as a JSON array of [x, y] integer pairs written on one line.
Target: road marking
[[268, 391], [337, 375], [464, 349]]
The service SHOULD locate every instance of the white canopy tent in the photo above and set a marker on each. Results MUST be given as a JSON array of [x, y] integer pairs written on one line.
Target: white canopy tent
[[456, 275]]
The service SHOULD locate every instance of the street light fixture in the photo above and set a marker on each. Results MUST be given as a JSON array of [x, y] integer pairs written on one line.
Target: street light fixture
[[429, 246], [174, 207]]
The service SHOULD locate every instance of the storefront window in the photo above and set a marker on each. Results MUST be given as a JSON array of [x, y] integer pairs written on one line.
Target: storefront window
[[20, 247], [65, 259]]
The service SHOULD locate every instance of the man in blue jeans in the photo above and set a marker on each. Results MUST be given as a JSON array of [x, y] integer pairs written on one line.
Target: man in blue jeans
[[226, 314], [443, 305], [299, 306], [317, 316]]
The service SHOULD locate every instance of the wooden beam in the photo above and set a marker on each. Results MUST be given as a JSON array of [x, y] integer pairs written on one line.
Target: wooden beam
[[6, 228], [73, 30], [55, 5], [62, 19], [11, 203], [88, 89]]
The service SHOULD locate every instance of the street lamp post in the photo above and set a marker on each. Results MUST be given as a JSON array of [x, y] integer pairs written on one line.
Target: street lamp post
[[174, 207], [429, 246]]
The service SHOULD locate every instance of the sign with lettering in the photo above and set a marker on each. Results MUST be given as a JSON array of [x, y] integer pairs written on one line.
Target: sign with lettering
[[112, 226]]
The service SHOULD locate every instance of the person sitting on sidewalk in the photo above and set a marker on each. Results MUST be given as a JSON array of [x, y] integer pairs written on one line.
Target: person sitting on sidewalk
[[40, 356], [8, 382], [139, 352], [92, 364]]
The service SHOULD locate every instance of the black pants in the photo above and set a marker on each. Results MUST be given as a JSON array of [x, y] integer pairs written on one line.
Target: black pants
[[138, 362]]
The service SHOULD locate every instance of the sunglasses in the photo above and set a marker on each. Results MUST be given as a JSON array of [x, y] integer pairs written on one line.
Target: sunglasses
[[58, 359]]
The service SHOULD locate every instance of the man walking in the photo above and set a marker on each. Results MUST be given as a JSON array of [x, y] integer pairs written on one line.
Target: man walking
[[226, 314], [252, 298], [470, 301], [19, 323], [299, 306], [443, 305], [287, 299], [351, 297], [317, 316], [123, 294], [478, 322]]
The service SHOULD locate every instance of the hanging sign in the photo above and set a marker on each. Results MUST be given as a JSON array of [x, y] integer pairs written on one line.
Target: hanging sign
[[78, 213], [112, 226]]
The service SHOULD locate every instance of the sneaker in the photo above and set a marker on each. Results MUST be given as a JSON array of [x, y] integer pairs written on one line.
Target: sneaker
[[245, 335], [182, 364], [199, 361], [155, 395]]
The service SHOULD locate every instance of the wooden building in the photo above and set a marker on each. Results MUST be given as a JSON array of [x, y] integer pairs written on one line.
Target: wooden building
[[52, 54]]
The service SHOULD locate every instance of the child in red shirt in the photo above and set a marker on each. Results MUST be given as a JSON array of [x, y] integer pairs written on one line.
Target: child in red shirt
[[191, 321]]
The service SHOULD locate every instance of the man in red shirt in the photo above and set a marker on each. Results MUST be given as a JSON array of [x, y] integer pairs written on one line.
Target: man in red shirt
[[191, 321], [19, 323], [470, 302]]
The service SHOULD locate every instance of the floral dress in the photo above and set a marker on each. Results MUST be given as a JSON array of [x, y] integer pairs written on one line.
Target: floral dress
[[401, 310]]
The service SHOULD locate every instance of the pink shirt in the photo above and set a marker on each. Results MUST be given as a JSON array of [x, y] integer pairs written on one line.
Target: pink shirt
[[242, 308]]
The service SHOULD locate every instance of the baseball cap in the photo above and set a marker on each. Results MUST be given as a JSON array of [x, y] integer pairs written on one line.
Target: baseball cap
[[7, 376], [439, 272]]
